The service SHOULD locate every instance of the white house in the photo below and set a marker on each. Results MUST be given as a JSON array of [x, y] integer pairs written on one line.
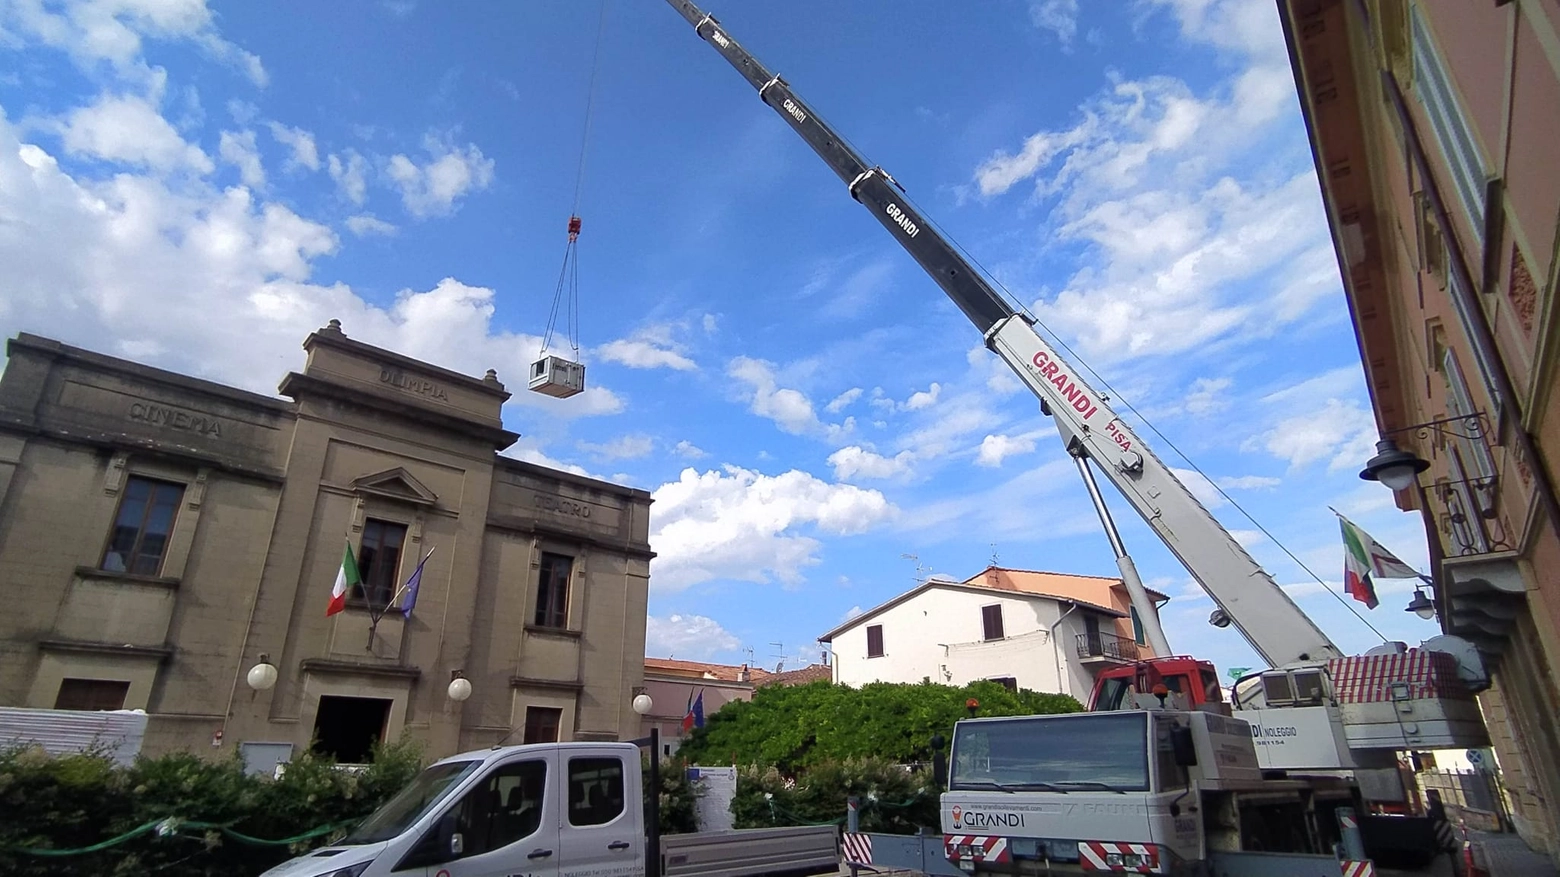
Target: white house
[[1042, 631]]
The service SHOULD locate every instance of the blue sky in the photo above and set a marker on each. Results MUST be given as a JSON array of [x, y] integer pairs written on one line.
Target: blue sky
[[199, 185]]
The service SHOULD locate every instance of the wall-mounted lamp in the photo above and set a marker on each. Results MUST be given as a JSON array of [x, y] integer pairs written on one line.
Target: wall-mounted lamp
[[1393, 466], [1421, 605], [262, 676], [460, 686]]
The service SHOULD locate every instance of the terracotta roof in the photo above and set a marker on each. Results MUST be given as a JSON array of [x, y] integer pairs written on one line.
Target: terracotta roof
[[1047, 585], [811, 673], [702, 670]]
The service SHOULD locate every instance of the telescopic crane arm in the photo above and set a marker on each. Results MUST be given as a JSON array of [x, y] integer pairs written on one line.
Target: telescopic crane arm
[[1271, 622]]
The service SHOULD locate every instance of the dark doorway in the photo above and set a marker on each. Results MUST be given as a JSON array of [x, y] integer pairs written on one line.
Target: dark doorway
[[348, 727]]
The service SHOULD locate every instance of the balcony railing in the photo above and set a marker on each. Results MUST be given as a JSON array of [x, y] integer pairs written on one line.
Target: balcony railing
[[1107, 646]]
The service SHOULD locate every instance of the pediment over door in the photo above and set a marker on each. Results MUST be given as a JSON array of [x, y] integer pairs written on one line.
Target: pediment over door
[[396, 484]]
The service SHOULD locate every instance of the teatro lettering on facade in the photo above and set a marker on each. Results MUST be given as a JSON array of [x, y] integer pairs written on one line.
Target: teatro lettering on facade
[[411, 384], [172, 418], [562, 506]]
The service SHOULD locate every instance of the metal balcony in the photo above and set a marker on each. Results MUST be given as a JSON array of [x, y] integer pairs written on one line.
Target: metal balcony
[[1106, 647]]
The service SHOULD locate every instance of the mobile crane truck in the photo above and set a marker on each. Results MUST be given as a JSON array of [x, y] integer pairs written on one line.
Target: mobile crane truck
[[1160, 775]]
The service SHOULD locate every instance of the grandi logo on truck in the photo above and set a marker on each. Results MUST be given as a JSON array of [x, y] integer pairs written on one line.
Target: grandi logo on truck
[[1263, 733], [976, 819], [1076, 395]]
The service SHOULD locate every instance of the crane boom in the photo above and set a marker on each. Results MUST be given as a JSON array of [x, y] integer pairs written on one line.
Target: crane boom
[[1271, 622]]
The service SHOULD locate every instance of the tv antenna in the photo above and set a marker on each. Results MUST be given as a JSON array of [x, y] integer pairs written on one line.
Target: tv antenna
[[919, 569]]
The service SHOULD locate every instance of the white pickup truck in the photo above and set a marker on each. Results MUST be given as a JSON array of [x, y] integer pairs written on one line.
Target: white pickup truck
[[548, 810]]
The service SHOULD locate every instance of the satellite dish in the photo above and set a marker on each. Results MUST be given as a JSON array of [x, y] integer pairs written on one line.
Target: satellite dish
[[1470, 664]]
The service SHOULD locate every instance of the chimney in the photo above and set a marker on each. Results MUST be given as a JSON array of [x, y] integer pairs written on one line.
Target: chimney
[[742, 673]]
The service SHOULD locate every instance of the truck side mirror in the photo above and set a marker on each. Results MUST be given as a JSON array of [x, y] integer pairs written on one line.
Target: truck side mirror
[[451, 843], [1183, 747]]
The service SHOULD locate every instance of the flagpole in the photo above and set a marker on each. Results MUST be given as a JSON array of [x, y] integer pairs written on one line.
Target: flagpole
[[402, 589]]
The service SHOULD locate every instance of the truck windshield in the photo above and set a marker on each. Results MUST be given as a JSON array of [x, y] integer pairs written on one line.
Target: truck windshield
[[1090, 749], [400, 812]]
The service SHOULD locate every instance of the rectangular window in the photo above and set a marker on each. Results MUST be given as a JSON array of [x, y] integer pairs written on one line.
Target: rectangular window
[[595, 790], [91, 694], [1138, 634], [541, 724], [1453, 134], [875, 641], [379, 561], [1007, 682], [991, 621], [140, 536], [552, 591]]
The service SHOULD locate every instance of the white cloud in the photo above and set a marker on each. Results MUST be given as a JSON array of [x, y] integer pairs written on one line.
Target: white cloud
[[1248, 482], [1177, 255], [840, 402], [856, 462], [1207, 396], [1341, 432], [852, 612], [432, 188], [650, 347], [217, 283], [923, 398], [996, 448], [627, 447], [710, 323], [739, 524], [129, 130], [1248, 538], [111, 31], [689, 637], [1200, 487], [365, 224], [526, 450], [301, 143], [238, 149], [789, 408], [1060, 17], [350, 174], [688, 449]]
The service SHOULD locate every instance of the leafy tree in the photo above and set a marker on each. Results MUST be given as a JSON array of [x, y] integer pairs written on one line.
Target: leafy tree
[[792, 728]]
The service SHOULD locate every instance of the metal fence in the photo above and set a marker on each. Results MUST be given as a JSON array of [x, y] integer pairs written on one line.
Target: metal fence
[[1474, 796]]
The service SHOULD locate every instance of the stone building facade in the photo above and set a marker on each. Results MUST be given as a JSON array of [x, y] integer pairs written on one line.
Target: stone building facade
[[1433, 125], [161, 535]]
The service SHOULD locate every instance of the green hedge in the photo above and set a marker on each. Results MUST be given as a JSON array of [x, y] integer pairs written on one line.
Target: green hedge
[[893, 799], [798, 726], [230, 820]]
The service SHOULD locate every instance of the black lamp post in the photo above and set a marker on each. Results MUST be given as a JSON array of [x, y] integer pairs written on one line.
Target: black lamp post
[[642, 705]]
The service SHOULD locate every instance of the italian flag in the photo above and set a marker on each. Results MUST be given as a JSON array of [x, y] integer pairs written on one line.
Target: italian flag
[[346, 577], [1365, 560]]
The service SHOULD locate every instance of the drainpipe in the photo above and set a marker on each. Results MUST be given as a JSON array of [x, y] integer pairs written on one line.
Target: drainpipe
[[1061, 676]]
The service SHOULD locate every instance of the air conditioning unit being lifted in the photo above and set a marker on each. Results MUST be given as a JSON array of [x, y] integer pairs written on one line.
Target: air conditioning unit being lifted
[[557, 377]]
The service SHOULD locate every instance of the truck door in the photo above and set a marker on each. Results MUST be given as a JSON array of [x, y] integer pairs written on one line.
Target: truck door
[[506, 824], [600, 834]]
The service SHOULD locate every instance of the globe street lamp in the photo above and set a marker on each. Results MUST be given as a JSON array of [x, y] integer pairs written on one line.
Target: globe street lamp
[[460, 686], [642, 705], [262, 676], [1393, 466]]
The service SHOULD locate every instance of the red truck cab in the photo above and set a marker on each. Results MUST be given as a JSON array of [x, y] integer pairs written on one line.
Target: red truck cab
[[1194, 681]]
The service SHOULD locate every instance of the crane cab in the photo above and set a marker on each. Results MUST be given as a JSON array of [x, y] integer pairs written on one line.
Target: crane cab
[[1186, 682], [557, 377]]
